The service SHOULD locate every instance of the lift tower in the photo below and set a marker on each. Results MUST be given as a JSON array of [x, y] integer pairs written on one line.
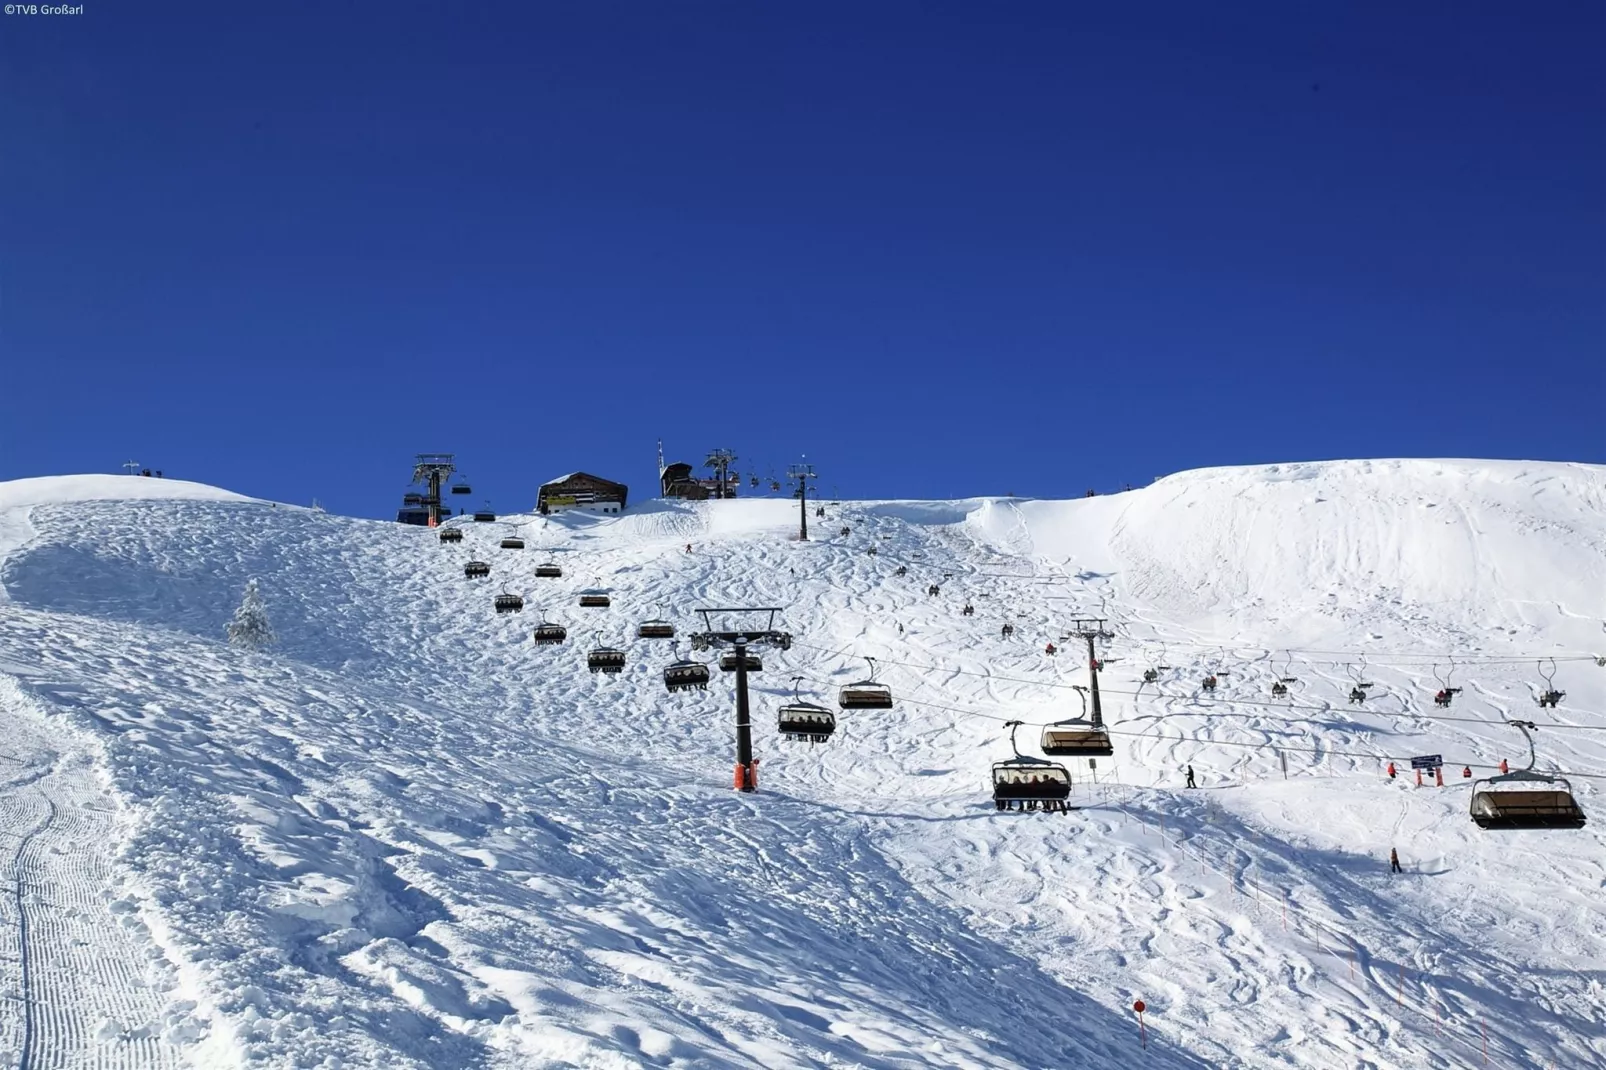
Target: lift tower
[[720, 461], [1091, 628], [801, 474], [432, 470], [738, 629]]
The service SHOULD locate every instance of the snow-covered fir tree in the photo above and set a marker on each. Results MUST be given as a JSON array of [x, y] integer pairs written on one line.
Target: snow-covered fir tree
[[250, 627]]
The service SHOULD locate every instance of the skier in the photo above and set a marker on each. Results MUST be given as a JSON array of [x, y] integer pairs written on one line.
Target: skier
[[1392, 772], [1050, 649], [1394, 861], [1191, 782], [900, 628], [1502, 767], [688, 547]]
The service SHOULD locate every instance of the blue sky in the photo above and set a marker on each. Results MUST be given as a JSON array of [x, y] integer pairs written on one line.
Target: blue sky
[[941, 248]]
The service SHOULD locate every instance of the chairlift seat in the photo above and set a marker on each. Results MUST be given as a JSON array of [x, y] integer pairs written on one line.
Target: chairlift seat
[[511, 543], [805, 721], [476, 570], [451, 534], [865, 695], [606, 659], [462, 488], [1031, 784], [412, 499], [548, 572], [1077, 739], [685, 675], [1495, 806], [548, 634], [485, 518], [509, 603], [655, 629], [595, 600], [728, 662]]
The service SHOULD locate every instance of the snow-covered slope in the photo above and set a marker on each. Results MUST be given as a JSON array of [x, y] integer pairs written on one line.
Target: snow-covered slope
[[406, 836]]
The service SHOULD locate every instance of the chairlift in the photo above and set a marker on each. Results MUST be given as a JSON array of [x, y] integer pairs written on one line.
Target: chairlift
[[1076, 736], [1357, 693], [484, 515], [685, 675], [655, 629], [476, 570], [1446, 693], [550, 633], [730, 661], [595, 597], [846, 530], [873, 551], [414, 500], [968, 610], [804, 721], [865, 694], [1279, 686], [1525, 799], [1209, 683], [606, 659], [932, 590], [509, 603], [1026, 783], [461, 488], [901, 570], [1550, 697], [548, 570], [451, 535], [512, 542]]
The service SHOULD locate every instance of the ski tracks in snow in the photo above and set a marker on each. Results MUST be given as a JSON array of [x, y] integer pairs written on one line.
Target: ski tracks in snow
[[75, 991]]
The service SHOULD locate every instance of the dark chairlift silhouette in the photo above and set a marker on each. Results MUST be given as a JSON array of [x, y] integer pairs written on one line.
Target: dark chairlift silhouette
[[729, 662], [686, 675], [1025, 783], [606, 659], [476, 570], [655, 628], [595, 597], [509, 603], [1550, 698], [512, 542], [800, 720], [451, 535], [550, 633]]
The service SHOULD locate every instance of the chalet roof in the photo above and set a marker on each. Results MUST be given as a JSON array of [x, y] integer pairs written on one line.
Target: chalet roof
[[574, 475]]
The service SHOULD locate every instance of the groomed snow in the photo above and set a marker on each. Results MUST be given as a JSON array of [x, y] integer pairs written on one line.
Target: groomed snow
[[405, 836]]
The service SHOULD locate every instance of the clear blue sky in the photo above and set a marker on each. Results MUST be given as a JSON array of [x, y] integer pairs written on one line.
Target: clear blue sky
[[941, 248]]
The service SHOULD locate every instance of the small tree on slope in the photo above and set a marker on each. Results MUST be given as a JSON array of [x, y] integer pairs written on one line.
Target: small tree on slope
[[250, 627]]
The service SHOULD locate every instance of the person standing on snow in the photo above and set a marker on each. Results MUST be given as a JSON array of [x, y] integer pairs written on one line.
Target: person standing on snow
[[1191, 783], [1394, 861]]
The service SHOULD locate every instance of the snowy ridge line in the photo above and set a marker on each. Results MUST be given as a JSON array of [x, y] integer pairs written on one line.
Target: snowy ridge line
[[1356, 955]]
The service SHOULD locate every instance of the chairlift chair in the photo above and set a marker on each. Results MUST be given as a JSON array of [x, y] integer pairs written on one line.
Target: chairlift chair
[[548, 570], [512, 543], [901, 570], [655, 628], [1446, 693], [1209, 682], [606, 659], [1549, 698], [550, 633], [1357, 693], [1525, 799], [1076, 737], [476, 570], [805, 721], [451, 535], [1024, 783], [484, 515], [730, 661], [595, 597], [968, 611], [413, 499], [462, 488], [685, 675], [865, 694], [509, 603]]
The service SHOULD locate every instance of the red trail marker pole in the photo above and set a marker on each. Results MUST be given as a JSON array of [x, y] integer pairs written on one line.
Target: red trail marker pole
[[1143, 1034]]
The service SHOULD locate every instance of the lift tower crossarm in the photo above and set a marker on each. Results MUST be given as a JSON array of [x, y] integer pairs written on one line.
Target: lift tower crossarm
[[1091, 628]]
